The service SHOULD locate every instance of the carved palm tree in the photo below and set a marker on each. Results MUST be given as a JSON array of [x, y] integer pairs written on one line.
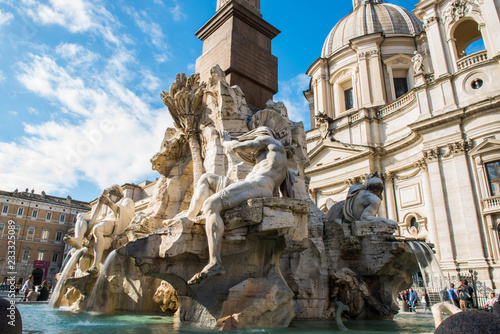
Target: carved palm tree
[[185, 103]]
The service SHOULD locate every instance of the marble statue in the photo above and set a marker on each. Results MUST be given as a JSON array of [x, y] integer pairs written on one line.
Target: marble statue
[[418, 63], [361, 204], [267, 154], [440, 308], [112, 214], [351, 291]]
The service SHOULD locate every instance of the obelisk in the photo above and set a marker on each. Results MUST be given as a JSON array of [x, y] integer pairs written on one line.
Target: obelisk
[[238, 40]]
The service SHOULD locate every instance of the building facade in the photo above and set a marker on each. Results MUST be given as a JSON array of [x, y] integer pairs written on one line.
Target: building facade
[[420, 103], [39, 223]]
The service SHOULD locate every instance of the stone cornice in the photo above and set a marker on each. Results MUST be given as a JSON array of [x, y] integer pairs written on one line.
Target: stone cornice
[[449, 150], [235, 9]]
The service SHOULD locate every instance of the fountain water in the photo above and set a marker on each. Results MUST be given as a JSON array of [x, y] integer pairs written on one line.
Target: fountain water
[[433, 278], [100, 280], [55, 299]]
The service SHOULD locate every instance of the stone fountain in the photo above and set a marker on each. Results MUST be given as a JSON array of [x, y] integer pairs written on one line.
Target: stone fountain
[[272, 255]]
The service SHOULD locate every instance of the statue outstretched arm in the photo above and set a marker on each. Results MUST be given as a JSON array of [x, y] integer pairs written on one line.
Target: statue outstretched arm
[[245, 146]]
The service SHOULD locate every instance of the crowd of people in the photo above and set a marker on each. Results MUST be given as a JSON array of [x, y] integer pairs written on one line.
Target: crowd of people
[[461, 296], [30, 291]]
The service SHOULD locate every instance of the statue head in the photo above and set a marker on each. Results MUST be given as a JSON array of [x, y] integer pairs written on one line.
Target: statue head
[[115, 190], [375, 185]]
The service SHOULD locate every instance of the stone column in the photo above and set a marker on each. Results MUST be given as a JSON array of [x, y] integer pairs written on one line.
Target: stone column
[[364, 80], [376, 78], [389, 196], [436, 46], [429, 208], [467, 205], [446, 252]]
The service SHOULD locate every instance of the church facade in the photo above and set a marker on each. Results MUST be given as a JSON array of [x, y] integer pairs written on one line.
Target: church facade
[[416, 97]]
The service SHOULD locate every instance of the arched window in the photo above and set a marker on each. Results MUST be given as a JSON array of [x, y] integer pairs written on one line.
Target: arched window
[[468, 38]]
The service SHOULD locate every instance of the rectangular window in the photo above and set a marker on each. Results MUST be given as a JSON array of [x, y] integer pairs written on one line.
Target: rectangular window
[[59, 236], [48, 216], [61, 219], [400, 86], [20, 211], [34, 214], [349, 98], [45, 235], [5, 209], [17, 229], [493, 170], [55, 256], [26, 255], [41, 255], [2, 228], [30, 234]]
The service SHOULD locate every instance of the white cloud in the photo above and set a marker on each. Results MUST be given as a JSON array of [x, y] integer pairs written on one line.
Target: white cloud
[[33, 111], [147, 26], [77, 16], [5, 18], [2, 77], [13, 113], [112, 140], [177, 13], [291, 93], [191, 67]]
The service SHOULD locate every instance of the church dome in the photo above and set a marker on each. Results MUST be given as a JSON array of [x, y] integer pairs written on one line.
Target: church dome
[[368, 17]]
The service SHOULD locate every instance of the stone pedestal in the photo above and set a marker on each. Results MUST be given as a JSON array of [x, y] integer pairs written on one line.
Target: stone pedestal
[[252, 293]]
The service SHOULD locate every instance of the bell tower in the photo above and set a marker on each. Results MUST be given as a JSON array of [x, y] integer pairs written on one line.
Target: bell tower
[[238, 39]]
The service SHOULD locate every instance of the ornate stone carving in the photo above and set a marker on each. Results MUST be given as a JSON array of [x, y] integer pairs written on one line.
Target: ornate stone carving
[[367, 54], [323, 122], [432, 154], [460, 8], [418, 63]]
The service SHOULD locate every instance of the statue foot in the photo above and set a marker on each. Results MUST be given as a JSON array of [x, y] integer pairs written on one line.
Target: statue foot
[[73, 242], [92, 270], [214, 270]]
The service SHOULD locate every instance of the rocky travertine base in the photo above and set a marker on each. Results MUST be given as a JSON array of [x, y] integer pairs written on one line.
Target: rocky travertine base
[[252, 293], [359, 264], [124, 288]]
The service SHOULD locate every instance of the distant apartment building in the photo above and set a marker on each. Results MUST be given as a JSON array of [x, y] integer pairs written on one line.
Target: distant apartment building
[[39, 223]]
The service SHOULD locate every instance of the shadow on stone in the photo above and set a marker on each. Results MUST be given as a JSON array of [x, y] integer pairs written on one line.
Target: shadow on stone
[[470, 322]]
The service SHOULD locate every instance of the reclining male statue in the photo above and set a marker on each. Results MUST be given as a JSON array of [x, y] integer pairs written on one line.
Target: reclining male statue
[[112, 214], [260, 148], [361, 204]]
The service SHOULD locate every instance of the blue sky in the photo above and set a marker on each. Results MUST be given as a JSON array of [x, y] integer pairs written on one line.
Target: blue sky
[[80, 82]]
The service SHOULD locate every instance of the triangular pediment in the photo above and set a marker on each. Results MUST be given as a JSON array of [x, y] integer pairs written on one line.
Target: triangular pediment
[[327, 152], [488, 145]]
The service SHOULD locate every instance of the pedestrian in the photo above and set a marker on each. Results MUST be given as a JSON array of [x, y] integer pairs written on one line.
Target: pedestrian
[[426, 301], [465, 294], [412, 300], [43, 295], [490, 301], [453, 295], [496, 307], [28, 287]]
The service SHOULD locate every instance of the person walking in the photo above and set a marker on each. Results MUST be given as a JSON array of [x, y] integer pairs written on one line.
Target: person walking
[[465, 294], [413, 300], [426, 301], [453, 295]]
